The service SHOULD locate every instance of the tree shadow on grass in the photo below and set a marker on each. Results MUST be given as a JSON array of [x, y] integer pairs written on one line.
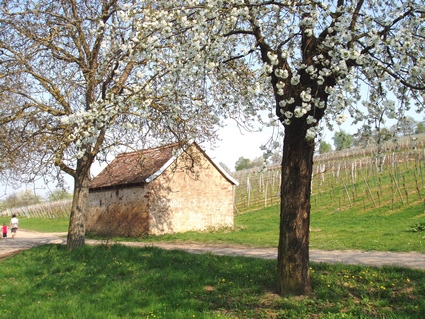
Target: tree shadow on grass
[[126, 282]]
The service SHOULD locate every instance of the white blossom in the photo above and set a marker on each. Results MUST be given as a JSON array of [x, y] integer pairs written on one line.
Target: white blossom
[[341, 118], [306, 95], [273, 58], [280, 85], [311, 69], [282, 103], [288, 114], [295, 80], [299, 111], [311, 133], [179, 49], [310, 120], [281, 73], [268, 68]]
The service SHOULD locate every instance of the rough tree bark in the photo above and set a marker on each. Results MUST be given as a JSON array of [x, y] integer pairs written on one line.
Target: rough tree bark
[[77, 221], [293, 252]]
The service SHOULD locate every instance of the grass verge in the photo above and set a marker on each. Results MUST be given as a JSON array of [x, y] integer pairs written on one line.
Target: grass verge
[[50, 225], [380, 230], [127, 282]]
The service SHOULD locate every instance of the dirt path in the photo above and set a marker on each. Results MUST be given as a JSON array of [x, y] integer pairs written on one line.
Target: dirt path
[[27, 239]]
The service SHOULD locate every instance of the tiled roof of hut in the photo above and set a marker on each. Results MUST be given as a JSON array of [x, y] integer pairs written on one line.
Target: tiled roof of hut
[[140, 167], [134, 168]]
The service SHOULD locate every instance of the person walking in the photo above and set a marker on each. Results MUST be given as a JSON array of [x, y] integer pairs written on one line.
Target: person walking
[[14, 225]]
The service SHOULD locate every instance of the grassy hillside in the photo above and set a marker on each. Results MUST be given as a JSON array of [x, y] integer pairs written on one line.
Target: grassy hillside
[[376, 230]]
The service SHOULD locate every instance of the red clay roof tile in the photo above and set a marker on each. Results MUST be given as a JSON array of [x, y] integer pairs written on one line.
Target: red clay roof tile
[[134, 168]]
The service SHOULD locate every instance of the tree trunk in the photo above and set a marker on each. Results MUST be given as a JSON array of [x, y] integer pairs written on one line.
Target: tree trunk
[[293, 250], [77, 221]]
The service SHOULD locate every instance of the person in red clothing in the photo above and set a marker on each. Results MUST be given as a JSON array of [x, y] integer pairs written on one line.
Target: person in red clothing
[[4, 230]]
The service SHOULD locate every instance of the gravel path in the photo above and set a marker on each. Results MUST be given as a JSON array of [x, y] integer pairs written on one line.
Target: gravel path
[[27, 239]]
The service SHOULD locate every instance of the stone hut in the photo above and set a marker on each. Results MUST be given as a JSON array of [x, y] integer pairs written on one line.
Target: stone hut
[[161, 190]]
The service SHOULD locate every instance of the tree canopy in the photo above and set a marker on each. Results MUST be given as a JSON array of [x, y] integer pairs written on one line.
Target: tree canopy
[[319, 62], [342, 140], [246, 163], [324, 147], [81, 80]]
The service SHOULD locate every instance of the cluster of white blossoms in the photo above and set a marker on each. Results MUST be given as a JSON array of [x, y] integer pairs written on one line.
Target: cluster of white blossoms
[[358, 49], [86, 126], [164, 74]]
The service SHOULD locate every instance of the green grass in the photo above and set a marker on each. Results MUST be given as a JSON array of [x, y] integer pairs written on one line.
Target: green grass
[[381, 229], [43, 224], [127, 282]]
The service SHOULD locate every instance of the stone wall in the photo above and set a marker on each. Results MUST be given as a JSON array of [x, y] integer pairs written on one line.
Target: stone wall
[[196, 199], [118, 212]]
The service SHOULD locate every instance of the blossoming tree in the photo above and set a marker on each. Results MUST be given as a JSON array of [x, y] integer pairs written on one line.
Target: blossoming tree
[[82, 78], [320, 62]]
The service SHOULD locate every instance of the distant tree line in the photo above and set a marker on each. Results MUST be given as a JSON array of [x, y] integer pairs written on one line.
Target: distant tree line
[[343, 140], [244, 163]]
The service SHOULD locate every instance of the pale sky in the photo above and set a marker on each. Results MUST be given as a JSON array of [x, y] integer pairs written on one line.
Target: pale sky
[[235, 143]]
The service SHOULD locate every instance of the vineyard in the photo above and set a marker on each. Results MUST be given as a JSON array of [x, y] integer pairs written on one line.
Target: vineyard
[[390, 176], [57, 209]]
